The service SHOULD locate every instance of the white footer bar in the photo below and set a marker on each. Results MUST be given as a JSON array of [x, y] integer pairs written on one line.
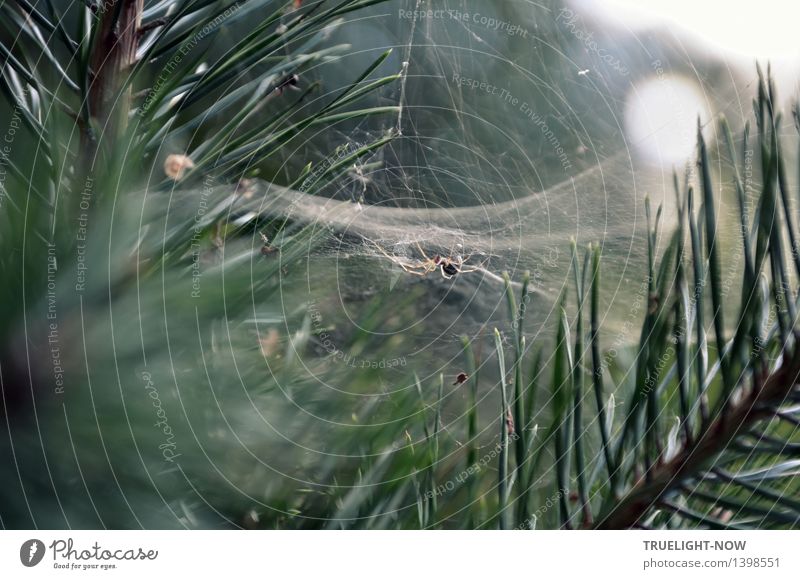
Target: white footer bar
[[399, 554]]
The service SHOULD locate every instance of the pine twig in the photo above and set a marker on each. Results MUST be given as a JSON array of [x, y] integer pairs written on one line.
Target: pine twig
[[738, 417]]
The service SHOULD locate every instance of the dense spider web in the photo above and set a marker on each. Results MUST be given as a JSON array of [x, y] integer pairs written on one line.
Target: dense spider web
[[511, 138], [510, 141]]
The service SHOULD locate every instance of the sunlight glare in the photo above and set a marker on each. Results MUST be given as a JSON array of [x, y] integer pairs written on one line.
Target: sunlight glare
[[661, 118]]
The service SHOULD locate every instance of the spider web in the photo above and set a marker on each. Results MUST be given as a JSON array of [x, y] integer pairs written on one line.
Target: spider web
[[503, 177], [510, 141]]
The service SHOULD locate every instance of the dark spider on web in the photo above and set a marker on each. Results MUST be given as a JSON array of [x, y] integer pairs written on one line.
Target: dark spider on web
[[448, 266]]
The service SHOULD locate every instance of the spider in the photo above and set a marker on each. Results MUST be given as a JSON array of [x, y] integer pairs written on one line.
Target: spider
[[448, 266], [461, 378]]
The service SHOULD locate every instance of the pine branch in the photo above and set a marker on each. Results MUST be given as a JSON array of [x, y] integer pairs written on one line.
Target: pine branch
[[738, 417], [113, 54]]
